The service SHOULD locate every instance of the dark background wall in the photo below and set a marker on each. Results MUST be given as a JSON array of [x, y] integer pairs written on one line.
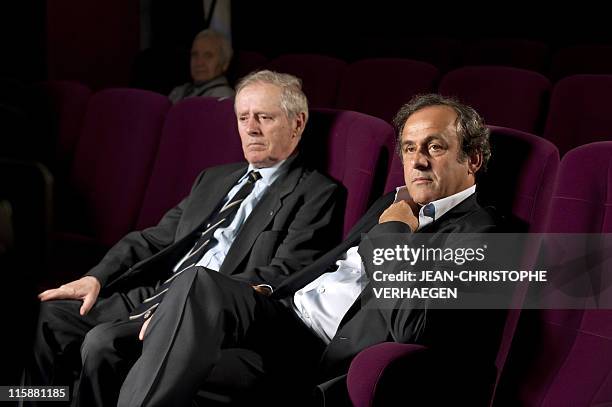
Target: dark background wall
[[94, 41], [97, 42]]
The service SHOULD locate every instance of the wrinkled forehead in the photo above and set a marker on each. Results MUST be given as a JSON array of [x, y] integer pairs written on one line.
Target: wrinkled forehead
[[208, 43], [430, 122], [258, 95]]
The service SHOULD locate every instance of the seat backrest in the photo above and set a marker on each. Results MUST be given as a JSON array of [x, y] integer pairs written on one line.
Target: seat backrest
[[320, 75], [198, 133], [504, 96], [353, 148], [379, 87], [581, 59], [114, 158], [564, 357], [579, 111], [515, 52]]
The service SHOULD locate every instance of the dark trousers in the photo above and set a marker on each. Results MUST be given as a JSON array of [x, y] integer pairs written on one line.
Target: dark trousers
[[68, 345], [213, 340], [204, 316]]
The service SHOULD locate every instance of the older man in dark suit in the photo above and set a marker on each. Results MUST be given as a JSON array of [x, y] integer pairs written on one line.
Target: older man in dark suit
[[255, 223], [315, 319]]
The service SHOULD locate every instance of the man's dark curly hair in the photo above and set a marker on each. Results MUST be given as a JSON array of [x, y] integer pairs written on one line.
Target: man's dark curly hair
[[471, 130]]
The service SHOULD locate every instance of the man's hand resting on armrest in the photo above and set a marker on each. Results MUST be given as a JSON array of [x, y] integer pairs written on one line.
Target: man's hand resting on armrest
[[85, 289]]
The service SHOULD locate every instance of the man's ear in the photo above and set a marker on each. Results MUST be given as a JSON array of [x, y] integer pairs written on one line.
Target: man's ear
[[298, 124], [225, 66], [474, 162]]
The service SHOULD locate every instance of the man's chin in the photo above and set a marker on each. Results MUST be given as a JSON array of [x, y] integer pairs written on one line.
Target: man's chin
[[260, 163], [424, 200], [422, 196], [201, 80]]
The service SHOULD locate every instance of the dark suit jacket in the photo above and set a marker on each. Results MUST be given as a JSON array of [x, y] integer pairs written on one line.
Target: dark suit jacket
[[297, 219], [361, 328]]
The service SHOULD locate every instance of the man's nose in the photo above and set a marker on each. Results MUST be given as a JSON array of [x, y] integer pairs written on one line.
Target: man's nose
[[420, 160], [198, 59], [252, 125]]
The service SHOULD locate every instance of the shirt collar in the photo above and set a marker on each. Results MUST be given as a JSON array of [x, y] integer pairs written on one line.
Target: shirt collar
[[216, 79], [441, 206], [268, 174]]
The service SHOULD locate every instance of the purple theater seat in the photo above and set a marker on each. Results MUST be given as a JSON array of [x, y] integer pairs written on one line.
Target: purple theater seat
[[198, 133], [379, 87], [515, 52], [564, 357], [504, 96], [519, 183], [114, 159], [320, 75], [244, 62], [67, 102], [443, 52], [581, 59], [353, 148], [579, 111], [439, 51], [369, 366]]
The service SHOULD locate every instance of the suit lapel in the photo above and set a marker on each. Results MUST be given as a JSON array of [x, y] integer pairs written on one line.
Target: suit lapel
[[261, 216], [206, 200]]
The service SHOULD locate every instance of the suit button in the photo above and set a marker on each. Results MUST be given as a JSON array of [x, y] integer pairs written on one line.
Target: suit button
[[271, 213], [208, 225], [147, 314]]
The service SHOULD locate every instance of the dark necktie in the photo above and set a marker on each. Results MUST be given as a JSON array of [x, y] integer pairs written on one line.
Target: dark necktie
[[223, 218], [429, 210]]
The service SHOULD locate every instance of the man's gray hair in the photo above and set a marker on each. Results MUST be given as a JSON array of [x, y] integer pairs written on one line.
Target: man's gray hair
[[293, 101], [226, 51]]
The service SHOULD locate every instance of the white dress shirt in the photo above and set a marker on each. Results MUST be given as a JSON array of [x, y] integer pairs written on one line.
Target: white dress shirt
[[224, 237], [323, 302]]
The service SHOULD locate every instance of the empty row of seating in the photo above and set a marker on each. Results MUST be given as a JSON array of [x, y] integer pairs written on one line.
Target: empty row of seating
[[554, 62], [171, 66], [546, 357], [505, 96], [508, 97]]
